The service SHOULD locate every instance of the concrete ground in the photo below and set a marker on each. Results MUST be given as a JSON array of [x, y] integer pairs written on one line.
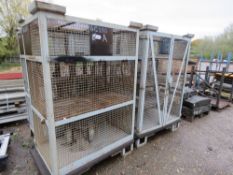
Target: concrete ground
[[204, 147]]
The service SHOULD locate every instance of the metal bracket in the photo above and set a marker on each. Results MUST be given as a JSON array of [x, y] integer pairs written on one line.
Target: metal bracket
[[125, 152], [175, 126]]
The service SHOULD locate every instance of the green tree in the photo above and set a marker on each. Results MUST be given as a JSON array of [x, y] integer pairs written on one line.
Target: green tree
[[221, 43], [10, 12]]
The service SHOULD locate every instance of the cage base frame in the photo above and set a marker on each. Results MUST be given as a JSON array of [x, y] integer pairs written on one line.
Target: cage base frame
[[39, 162], [142, 138], [122, 150]]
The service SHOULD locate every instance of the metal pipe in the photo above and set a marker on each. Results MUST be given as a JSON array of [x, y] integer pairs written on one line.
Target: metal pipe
[[220, 87]]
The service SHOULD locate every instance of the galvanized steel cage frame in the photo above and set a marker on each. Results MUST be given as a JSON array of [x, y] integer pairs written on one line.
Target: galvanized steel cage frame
[[49, 120], [147, 49]]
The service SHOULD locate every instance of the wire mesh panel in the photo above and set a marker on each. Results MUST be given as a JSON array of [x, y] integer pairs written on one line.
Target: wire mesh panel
[[36, 83], [178, 75], [88, 86], [41, 139], [80, 39], [164, 80], [161, 48], [20, 43], [31, 38], [78, 139], [151, 115]]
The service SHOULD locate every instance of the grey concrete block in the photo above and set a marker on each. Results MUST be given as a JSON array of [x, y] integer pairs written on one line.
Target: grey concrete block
[[37, 6]]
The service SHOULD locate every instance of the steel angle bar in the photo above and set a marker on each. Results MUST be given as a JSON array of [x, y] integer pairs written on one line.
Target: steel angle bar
[[142, 88], [135, 85]]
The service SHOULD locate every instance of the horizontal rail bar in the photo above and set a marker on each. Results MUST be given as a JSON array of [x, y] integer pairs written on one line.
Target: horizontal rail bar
[[89, 114]]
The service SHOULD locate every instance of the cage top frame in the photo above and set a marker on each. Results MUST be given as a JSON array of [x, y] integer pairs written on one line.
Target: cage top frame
[[41, 15], [77, 19], [147, 34]]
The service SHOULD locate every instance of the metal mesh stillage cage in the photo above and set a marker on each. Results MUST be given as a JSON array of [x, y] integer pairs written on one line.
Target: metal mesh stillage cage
[[81, 76], [161, 73]]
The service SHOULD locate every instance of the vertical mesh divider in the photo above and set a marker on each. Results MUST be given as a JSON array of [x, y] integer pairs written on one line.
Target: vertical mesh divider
[[31, 38], [36, 83]]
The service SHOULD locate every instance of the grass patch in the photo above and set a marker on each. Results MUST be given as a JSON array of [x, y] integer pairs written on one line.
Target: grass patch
[[8, 66]]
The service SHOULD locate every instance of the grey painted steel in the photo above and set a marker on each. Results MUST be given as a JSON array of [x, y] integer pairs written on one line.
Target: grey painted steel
[[177, 81], [26, 84], [142, 87], [89, 114], [168, 81], [185, 74], [49, 118], [164, 115], [48, 92], [155, 78]]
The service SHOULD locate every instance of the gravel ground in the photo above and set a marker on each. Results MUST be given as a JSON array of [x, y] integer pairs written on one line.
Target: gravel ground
[[203, 147]]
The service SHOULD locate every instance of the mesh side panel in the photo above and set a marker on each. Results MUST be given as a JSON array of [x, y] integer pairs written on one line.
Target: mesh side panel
[[36, 83], [31, 38], [176, 104], [178, 94], [87, 86], [41, 139], [79, 139], [162, 65], [179, 51], [151, 116], [80, 39], [35, 38]]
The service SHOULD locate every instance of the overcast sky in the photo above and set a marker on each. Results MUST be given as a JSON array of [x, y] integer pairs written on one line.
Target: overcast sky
[[201, 17]]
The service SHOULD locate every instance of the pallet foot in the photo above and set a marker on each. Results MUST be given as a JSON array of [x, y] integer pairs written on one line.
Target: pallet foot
[[31, 133], [127, 150], [175, 126], [141, 142]]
